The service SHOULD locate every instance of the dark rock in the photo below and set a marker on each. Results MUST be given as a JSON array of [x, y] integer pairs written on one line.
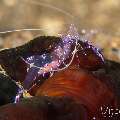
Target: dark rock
[[110, 74], [113, 71], [13, 64], [8, 89]]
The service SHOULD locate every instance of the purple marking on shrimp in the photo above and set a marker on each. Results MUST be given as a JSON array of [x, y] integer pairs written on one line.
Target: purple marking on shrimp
[[32, 72], [30, 77]]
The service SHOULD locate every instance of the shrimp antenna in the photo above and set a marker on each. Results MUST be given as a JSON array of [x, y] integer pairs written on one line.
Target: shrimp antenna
[[26, 29], [50, 6]]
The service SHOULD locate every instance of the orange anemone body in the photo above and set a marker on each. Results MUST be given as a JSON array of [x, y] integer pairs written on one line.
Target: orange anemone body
[[79, 85]]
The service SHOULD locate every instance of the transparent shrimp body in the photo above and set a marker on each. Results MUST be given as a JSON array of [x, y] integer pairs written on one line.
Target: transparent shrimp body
[[54, 61]]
